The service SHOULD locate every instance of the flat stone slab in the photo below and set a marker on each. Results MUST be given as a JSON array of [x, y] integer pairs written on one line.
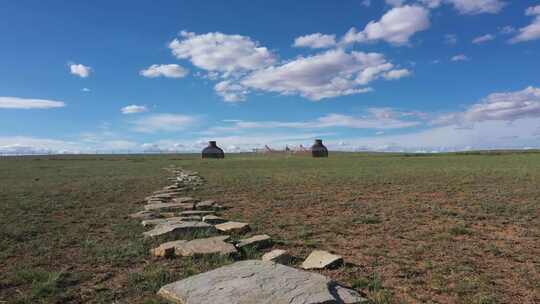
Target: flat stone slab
[[212, 219], [198, 247], [277, 256], [196, 212], [257, 242], [185, 199], [319, 259], [259, 282], [168, 207], [145, 215], [178, 229], [233, 227], [170, 220]]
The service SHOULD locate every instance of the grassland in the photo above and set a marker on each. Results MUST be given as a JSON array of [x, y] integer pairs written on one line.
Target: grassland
[[414, 229]]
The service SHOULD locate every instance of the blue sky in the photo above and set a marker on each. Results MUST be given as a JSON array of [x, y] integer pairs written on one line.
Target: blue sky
[[383, 75]]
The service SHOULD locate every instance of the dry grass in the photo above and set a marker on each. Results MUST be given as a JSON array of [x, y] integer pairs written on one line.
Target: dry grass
[[432, 229]]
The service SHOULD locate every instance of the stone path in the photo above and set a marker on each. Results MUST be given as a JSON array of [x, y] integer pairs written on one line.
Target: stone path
[[169, 214], [258, 282]]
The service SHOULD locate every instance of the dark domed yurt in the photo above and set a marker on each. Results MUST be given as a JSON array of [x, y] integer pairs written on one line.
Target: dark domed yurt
[[318, 149], [212, 151]]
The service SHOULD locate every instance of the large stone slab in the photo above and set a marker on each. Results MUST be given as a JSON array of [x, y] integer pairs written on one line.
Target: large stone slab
[[259, 282], [174, 230], [169, 207], [256, 242], [233, 227], [319, 259], [208, 205]]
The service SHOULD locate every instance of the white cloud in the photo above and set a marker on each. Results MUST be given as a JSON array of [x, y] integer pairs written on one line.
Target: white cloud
[[329, 74], [27, 104], [469, 7], [507, 30], [80, 70], [474, 7], [86, 90], [163, 122], [222, 53], [366, 3], [132, 109], [397, 26], [231, 91], [397, 74], [376, 118], [315, 41], [164, 70], [431, 3], [532, 31], [460, 57], [483, 38], [499, 106]]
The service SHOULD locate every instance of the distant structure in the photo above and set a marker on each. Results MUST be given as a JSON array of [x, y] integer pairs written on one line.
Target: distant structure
[[212, 151], [287, 151], [318, 149]]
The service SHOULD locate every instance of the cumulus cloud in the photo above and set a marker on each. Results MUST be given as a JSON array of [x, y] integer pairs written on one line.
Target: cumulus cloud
[[315, 41], [133, 109], [532, 31], [231, 91], [163, 122], [329, 74], [483, 38], [242, 66], [164, 70], [86, 90], [27, 104], [460, 57], [397, 26], [219, 52], [80, 70]]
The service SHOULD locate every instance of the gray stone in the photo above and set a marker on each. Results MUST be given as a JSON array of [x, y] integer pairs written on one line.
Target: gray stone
[[145, 215], [320, 259], [174, 230], [256, 242], [196, 212], [166, 249], [198, 247], [233, 227], [170, 220], [258, 282], [206, 205], [277, 256], [185, 200], [212, 219], [168, 207]]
